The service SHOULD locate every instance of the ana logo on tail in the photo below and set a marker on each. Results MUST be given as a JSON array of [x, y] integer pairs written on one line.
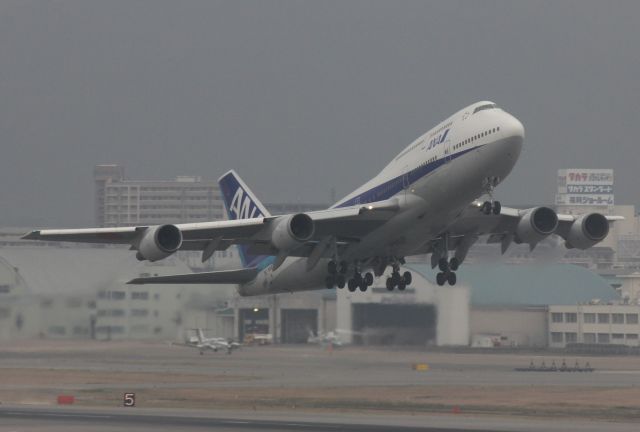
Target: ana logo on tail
[[242, 207]]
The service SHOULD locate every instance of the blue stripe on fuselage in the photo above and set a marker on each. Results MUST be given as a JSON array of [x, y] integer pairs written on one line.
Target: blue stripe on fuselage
[[391, 187]]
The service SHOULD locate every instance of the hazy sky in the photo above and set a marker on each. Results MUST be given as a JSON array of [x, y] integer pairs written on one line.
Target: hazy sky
[[302, 96]]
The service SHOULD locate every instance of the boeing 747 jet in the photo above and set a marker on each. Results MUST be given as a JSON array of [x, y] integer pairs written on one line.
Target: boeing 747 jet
[[423, 202]]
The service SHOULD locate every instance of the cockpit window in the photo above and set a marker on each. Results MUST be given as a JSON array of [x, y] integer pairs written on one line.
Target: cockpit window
[[485, 107]]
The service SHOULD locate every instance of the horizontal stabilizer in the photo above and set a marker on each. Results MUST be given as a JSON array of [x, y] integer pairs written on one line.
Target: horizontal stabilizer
[[215, 277]]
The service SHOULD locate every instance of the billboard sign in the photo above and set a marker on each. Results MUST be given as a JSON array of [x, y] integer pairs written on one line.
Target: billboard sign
[[593, 187]]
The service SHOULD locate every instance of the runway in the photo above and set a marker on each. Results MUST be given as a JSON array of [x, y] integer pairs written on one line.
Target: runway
[[58, 419], [306, 388]]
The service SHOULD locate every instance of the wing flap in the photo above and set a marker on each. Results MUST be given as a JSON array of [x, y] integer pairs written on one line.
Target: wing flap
[[216, 277]]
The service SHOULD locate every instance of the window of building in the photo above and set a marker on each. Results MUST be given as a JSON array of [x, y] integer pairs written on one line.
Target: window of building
[[556, 337], [617, 336], [140, 295], [4, 289], [632, 318], [46, 303], [556, 317], [571, 317], [589, 338], [617, 318], [603, 338], [603, 318], [118, 295], [590, 318], [117, 312], [631, 336], [571, 337]]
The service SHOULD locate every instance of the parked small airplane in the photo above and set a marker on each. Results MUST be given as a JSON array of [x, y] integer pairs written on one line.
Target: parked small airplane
[[329, 338], [211, 344], [423, 202]]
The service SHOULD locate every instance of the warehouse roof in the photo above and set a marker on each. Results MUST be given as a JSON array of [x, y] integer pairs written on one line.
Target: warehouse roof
[[504, 284]]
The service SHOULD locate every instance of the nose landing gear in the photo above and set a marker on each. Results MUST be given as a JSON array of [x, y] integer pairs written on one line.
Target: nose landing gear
[[490, 206]]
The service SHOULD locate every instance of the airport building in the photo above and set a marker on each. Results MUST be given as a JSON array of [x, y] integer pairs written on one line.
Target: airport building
[[597, 323], [123, 202], [61, 291]]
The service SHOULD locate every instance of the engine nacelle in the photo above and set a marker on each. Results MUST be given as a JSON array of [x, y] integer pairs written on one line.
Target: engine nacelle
[[587, 230], [292, 231], [159, 242], [536, 224]]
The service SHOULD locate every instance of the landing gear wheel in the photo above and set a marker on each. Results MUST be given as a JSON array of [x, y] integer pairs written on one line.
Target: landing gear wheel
[[451, 278], [332, 268], [395, 278], [441, 278], [368, 278], [407, 278], [390, 284], [363, 285], [443, 265], [486, 207], [329, 281], [351, 285], [402, 286], [497, 207], [454, 263], [340, 281]]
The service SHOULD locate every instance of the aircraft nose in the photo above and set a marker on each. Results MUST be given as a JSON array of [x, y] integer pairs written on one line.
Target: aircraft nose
[[513, 128]]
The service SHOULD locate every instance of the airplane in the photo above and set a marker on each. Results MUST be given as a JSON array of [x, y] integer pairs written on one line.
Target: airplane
[[213, 344], [424, 201], [325, 339], [329, 338]]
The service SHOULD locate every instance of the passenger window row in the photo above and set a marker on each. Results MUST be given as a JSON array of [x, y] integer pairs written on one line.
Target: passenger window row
[[475, 137]]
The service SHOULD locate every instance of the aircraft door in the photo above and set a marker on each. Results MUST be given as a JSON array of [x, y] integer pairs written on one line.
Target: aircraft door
[[405, 177], [447, 151]]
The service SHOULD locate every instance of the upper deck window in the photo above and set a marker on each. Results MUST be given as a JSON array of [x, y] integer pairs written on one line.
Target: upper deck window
[[485, 107]]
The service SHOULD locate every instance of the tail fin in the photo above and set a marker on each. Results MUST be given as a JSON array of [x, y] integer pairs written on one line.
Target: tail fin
[[241, 203], [200, 335]]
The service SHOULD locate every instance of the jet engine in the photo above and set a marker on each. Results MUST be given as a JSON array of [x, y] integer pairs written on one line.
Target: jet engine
[[587, 230], [158, 242], [292, 231], [536, 224]]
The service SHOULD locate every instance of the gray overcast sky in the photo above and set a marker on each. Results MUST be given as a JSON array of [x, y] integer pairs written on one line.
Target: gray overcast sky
[[301, 96]]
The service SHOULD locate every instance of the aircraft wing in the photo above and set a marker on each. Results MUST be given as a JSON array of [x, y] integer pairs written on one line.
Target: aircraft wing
[[216, 277], [340, 225], [528, 226]]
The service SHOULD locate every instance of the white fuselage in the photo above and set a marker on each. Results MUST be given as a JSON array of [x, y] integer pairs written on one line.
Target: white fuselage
[[433, 180]]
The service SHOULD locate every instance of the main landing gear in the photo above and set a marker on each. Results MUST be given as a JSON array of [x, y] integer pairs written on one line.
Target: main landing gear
[[490, 206], [447, 271], [338, 277], [397, 280]]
